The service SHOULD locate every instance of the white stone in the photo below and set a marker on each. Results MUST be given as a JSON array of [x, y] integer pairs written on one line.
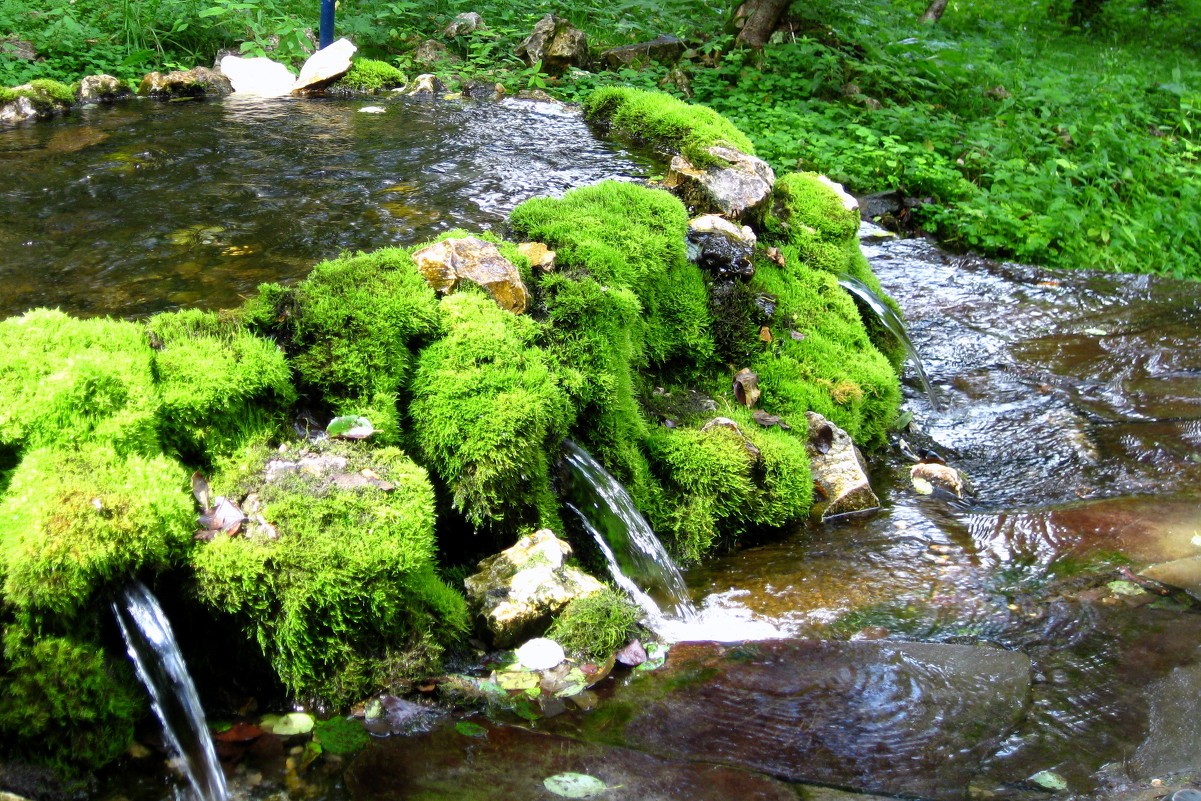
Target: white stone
[[540, 653], [373, 110], [326, 65], [257, 76], [849, 202]]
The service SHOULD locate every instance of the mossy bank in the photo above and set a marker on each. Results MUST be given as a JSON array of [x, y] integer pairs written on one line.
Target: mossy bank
[[336, 567]]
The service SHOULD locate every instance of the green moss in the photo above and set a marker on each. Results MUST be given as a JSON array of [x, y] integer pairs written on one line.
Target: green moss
[[369, 75], [665, 122], [821, 358], [69, 381], [62, 702], [350, 330], [72, 521], [596, 625], [719, 484], [46, 95], [345, 600], [7, 95], [487, 408], [219, 385], [59, 92]]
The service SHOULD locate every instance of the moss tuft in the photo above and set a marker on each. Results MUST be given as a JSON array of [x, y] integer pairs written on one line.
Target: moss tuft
[[369, 75], [219, 385], [70, 381], [350, 330], [346, 599], [487, 407], [665, 122], [596, 625], [72, 521]]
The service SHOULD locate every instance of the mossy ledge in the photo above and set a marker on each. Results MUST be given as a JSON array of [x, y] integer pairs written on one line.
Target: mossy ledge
[[626, 347]]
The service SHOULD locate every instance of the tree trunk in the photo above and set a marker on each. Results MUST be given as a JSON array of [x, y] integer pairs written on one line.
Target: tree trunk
[[758, 19], [933, 12]]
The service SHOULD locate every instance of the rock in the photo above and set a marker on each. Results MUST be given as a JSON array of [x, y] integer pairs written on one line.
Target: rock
[[257, 76], [905, 719], [881, 203], [738, 187], [1174, 728], [485, 90], [196, 82], [838, 474], [102, 89], [507, 762], [849, 201], [36, 100], [931, 477], [519, 590], [465, 23], [541, 258], [555, 43], [325, 66], [18, 110], [446, 263], [663, 49], [746, 387], [537, 96], [1183, 573], [430, 53], [425, 84], [725, 422], [540, 653], [721, 247], [19, 49]]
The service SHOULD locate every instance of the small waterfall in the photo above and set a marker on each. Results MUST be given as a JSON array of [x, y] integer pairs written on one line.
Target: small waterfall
[[893, 322], [160, 666], [636, 557]]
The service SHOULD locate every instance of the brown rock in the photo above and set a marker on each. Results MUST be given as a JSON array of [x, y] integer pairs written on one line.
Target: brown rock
[[838, 472], [737, 187], [928, 477], [663, 49], [541, 258], [746, 387], [102, 89], [555, 43], [196, 82], [446, 263]]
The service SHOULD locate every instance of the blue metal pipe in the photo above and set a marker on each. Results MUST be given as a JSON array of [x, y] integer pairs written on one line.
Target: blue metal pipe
[[325, 37]]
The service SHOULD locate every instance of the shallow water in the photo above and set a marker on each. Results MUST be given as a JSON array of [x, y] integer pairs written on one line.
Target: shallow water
[[152, 206]]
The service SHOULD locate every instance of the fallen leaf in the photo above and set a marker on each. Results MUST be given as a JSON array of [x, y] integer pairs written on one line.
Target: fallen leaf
[[574, 785], [469, 729], [775, 255], [291, 724], [239, 733]]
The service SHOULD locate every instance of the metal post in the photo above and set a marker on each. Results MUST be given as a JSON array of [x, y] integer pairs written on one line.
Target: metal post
[[326, 36]]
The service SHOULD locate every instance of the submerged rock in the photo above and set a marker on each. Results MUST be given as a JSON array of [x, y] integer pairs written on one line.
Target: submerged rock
[[737, 186], [556, 43], [325, 66], [838, 473], [908, 719], [721, 247], [520, 589], [196, 82], [446, 263], [102, 89]]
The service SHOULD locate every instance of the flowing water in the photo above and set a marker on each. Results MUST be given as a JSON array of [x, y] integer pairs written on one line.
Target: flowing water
[[150, 206], [161, 668]]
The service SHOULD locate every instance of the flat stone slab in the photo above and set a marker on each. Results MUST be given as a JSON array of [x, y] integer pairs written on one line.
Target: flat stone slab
[[911, 719], [508, 764]]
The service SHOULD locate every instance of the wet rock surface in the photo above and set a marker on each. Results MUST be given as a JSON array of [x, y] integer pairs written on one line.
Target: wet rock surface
[[507, 763], [102, 89], [446, 263], [197, 82], [737, 187], [839, 478]]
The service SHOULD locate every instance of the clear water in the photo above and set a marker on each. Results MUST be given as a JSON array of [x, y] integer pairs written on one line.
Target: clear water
[[151, 206], [160, 666]]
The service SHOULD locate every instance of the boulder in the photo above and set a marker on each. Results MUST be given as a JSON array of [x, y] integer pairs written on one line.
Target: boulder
[[257, 76], [881, 203], [35, 100], [431, 53], [931, 478], [485, 90], [196, 82], [325, 66], [540, 257], [19, 49], [425, 84], [465, 23], [18, 110], [840, 481], [663, 49], [555, 43], [721, 247], [446, 263], [519, 590], [737, 187], [905, 719], [102, 89]]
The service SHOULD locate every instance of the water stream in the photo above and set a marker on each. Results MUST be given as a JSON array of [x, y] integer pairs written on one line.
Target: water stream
[[160, 666]]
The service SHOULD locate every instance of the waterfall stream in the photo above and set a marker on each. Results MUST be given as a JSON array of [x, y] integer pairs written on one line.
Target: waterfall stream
[[160, 666]]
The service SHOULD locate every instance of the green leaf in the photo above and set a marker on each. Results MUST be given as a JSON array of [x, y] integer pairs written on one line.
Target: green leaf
[[293, 723], [350, 426], [574, 785], [469, 729]]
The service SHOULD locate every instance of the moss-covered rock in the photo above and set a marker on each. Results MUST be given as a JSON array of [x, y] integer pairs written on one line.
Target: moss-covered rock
[[70, 381], [351, 330], [219, 385], [369, 75], [596, 625], [665, 123], [487, 409], [72, 521], [344, 599]]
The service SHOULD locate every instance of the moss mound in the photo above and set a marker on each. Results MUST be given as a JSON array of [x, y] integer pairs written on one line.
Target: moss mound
[[70, 381], [350, 331], [596, 625], [341, 594], [665, 123], [73, 520], [369, 75], [219, 385]]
